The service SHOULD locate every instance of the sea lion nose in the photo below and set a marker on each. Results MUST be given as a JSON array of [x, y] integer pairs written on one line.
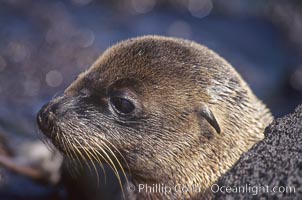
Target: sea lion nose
[[50, 113], [45, 117], [42, 117]]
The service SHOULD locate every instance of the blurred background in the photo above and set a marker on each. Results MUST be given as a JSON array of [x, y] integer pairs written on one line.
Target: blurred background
[[44, 44]]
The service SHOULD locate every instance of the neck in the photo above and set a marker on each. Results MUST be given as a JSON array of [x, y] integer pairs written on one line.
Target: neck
[[187, 178], [185, 181]]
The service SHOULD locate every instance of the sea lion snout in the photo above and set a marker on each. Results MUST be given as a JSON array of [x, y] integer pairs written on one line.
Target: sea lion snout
[[49, 114], [46, 118]]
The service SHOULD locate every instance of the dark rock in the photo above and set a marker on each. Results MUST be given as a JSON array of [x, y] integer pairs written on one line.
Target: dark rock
[[272, 168]]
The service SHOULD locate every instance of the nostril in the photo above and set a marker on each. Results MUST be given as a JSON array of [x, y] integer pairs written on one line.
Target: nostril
[[49, 118], [42, 120], [48, 115], [44, 117], [39, 119], [53, 109]]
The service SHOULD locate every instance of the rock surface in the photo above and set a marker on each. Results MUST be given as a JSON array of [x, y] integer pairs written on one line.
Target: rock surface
[[272, 168]]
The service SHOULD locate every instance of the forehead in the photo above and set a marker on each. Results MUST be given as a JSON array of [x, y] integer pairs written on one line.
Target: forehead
[[149, 60], [151, 64]]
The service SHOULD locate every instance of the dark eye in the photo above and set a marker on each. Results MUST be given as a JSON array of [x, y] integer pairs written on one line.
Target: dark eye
[[122, 105]]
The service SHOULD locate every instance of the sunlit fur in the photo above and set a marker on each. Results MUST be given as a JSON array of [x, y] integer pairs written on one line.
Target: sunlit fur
[[167, 141]]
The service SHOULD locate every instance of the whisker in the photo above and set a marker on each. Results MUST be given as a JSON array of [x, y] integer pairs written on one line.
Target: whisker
[[113, 165], [127, 165], [123, 171], [73, 154], [82, 156], [100, 163], [88, 154]]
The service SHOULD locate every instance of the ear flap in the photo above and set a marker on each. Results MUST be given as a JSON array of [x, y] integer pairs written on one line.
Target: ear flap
[[209, 116]]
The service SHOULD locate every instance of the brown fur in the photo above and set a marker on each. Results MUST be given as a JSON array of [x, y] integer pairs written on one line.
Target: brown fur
[[169, 140]]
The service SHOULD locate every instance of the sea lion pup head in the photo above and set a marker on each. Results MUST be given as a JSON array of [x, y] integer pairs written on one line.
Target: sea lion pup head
[[176, 111]]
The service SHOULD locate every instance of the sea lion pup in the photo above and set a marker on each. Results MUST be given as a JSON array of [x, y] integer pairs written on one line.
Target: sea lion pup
[[170, 111]]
